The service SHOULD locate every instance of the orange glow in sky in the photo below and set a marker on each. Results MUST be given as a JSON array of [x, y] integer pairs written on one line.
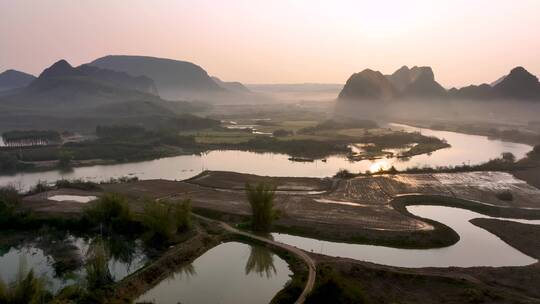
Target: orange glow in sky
[[257, 41]]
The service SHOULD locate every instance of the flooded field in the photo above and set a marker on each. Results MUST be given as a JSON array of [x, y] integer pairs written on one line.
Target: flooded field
[[229, 273], [61, 261], [273, 164], [476, 247]]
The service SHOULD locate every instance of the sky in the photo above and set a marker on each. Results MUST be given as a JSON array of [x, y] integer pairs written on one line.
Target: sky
[[274, 41]]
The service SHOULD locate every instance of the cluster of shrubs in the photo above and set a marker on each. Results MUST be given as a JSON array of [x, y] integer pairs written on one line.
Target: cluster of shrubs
[[337, 125]]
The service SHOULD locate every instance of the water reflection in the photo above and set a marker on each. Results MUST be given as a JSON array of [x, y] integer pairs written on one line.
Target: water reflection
[[184, 272], [230, 273], [476, 247], [61, 256], [261, 261]]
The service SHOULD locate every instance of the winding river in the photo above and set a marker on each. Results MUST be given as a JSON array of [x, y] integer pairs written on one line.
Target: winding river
[[274, 164], [476, 247]]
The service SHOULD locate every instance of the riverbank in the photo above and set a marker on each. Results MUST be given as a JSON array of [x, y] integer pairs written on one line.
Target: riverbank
[[386, 284]]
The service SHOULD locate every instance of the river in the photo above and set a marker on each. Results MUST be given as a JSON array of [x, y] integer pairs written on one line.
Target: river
[[465, 149], [476, 247]]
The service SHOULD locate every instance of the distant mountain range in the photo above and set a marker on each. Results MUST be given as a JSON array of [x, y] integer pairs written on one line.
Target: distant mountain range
[[12, 79], [174, 79], [419, 82], [85, 95], [116, 89]]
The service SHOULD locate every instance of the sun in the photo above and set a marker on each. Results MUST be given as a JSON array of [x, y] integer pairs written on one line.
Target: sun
[[379, 165]]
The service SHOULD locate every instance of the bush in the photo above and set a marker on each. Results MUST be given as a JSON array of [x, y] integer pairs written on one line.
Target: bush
[[9, 199], [509, 157], [64, 158], [337, 125], [77, 184], [345, 174], [261, 200], [163, 220], [40, 187], [111, 210], [331, 287]]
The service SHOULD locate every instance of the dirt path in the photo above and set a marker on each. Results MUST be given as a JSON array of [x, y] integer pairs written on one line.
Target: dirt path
[[298, 252]]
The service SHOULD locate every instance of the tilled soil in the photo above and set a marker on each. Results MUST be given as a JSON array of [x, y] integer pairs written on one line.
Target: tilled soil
[[357, 210]]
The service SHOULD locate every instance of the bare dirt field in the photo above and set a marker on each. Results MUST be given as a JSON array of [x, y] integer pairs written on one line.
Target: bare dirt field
[[356, 210]]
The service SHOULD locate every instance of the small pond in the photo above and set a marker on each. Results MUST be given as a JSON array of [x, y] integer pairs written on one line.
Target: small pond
[[230, 273], [72, 198], [61, 260]]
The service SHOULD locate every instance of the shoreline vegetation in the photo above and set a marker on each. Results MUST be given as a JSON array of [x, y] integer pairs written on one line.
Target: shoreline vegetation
[[129, 143], [506, 163]]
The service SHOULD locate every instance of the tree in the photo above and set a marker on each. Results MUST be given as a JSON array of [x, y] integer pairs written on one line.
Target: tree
[[64, 158], [164, 219], [509, 157], [111, 210], [261, 199]]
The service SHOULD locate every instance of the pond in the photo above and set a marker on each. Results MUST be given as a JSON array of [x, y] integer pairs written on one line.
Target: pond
[[72, 198], [274, 164], [476, 247], [61, 260], [230, 273]]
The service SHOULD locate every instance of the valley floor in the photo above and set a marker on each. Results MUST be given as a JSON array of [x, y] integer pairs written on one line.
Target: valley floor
[[366, 209]]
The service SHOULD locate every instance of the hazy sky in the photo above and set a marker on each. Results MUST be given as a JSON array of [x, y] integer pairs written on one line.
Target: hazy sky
[[276, 41]]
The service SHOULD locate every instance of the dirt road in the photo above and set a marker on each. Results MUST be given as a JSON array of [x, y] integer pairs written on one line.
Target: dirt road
[[299, 253]]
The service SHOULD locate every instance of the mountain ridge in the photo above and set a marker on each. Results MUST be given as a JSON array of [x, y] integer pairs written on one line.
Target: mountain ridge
[[174, 79], [12, 79], [419, 82]]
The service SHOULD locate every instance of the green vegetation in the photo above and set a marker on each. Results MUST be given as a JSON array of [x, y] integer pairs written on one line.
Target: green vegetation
[[77, 184], [65, 158], [111, 212], [339, 125], [163, 220], [295, 147], [261, 200], [27, 288], [504, 163], [332, 287]]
